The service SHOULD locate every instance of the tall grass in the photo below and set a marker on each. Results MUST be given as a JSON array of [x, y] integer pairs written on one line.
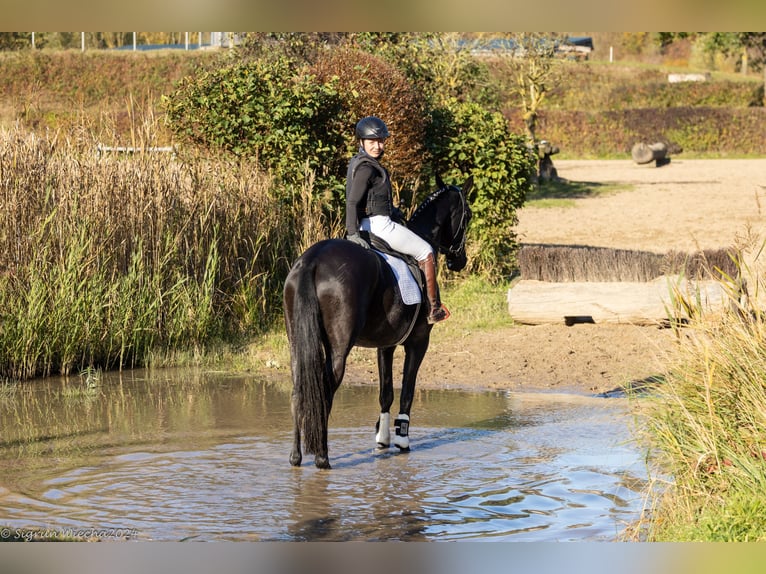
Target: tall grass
[[110, 260], [705, 425]]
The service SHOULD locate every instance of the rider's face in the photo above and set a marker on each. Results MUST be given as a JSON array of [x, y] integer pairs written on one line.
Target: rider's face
[[374, 147]]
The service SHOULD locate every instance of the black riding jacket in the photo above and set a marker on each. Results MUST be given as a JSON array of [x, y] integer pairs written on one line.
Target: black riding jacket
[[368, 190]]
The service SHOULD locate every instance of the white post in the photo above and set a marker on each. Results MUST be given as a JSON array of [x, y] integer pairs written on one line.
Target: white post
[[33, 40], [134, 41], [186, 40], [611, 54], [199, 40], [82, 40]]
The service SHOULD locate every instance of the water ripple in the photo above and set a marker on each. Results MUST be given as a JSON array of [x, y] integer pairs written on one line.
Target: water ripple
[[493, 466]]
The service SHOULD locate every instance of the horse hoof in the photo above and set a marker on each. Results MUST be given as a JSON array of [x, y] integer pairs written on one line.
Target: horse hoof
[[382, 446], [402, 443], [322, 462], [295, 459]]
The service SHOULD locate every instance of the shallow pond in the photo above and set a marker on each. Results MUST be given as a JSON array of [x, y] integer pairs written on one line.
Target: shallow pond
[[185, 455]]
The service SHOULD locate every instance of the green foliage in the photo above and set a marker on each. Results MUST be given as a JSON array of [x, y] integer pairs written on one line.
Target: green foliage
[[440, 64], [263, 109], [15, 40], [467, 139], [741, 519], [704, 423], [293, 117]]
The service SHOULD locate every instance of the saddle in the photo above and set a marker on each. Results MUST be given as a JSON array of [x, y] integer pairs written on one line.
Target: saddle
[[384, 249]]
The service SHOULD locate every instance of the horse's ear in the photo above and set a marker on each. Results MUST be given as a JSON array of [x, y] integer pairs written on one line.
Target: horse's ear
[[467, 185], [439, 182]]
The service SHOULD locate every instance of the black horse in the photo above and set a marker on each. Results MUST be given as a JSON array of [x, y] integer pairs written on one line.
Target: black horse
[[339, 294]]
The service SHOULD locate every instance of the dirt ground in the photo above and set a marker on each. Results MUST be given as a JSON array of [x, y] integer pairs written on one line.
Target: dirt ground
[[687, 205]]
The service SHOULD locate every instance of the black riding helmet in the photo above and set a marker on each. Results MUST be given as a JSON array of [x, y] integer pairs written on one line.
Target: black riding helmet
[[371, 128]]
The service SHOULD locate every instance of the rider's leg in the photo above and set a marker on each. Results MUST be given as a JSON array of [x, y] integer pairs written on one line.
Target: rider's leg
[[402, 239], [437, 312]]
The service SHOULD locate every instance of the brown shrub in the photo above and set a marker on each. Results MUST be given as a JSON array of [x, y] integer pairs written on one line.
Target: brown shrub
[[374, 87]]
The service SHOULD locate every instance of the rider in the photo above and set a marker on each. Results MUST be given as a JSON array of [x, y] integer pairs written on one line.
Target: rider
[[369, 205]]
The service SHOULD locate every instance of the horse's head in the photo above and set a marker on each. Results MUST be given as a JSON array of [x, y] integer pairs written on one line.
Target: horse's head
[[453, 233], [442, 219]]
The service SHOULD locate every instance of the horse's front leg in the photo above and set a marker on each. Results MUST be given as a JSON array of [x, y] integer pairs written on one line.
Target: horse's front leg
[[385, 397], [413, 358]]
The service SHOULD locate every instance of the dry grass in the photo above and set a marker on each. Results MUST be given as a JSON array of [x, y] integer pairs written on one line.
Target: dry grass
[[110, 259], [559, 263]]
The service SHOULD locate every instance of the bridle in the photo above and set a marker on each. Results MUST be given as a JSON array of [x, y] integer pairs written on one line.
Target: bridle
[[458, 242], [458, 245]]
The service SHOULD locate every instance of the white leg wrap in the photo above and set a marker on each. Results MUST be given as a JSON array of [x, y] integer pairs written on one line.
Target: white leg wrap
[[402, 426], [383, 436]]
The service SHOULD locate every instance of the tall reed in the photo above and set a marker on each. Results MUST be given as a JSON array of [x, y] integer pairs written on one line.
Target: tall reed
[[109, 259], [705, 424]]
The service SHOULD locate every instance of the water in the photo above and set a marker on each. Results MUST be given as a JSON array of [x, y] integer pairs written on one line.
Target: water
[[184, 455]]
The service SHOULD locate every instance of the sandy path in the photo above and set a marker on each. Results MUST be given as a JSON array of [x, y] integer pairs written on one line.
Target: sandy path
[[687, 205]]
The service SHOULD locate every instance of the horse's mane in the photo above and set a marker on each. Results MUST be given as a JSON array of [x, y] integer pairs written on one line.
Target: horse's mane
[[428, 201]]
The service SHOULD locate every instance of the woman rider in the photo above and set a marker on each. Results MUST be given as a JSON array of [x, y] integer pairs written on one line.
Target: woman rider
[[369, 204]]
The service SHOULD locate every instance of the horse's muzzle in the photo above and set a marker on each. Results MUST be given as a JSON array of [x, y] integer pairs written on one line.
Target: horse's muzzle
[[456, 262]]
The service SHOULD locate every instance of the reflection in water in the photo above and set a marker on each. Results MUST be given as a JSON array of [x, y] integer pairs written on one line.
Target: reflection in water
[[179, 455]]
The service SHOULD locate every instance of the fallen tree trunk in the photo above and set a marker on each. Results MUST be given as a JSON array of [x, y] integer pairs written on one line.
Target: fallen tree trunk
[[646, 153], [640, 303]]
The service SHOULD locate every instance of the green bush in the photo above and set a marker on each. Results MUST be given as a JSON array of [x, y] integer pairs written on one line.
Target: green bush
[[466, 139], [293, 117], [265, 110]]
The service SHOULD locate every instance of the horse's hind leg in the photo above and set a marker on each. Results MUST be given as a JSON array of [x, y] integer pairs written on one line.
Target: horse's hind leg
[[385, 397], [321, 459], [295, 454]]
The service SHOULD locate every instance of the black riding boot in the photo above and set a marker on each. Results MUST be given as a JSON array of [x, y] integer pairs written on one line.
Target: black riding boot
[[437, 312]]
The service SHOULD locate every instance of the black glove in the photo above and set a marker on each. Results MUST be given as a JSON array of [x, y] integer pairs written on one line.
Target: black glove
[[397, 216], [359, 240]]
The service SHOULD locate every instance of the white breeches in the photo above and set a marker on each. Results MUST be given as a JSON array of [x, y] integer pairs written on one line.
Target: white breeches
[[397, 236]]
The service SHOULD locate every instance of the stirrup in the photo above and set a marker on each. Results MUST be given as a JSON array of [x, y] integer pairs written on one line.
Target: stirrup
[[438, 314]]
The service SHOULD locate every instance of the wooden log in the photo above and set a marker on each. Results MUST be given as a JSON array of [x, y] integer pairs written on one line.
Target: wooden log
[[545, 169], [643, 153], [640, 303]]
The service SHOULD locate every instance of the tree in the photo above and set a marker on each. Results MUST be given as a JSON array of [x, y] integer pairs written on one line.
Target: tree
[[751, 46], [754, 44], [532, 63], [15, 40]]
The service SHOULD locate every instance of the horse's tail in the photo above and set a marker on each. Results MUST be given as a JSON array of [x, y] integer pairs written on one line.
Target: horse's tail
[[311, 380]]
